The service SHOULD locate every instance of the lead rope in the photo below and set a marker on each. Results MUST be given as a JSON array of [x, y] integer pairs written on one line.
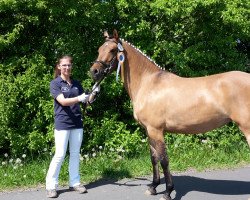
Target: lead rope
[[89, 103]]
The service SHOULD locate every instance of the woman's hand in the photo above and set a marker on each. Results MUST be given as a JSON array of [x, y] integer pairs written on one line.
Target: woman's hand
[[84, 98]]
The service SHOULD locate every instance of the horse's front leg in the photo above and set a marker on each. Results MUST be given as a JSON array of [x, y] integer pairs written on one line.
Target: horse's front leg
[[156, 175], [158, 153]]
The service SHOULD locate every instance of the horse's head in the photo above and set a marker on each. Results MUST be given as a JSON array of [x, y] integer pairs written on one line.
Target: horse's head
[[107, 59]]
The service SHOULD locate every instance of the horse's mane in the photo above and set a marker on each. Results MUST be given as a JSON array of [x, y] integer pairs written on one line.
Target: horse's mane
[[146, 56]]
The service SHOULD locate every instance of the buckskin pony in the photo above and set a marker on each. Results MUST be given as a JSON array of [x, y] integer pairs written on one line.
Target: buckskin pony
[[164, 102]]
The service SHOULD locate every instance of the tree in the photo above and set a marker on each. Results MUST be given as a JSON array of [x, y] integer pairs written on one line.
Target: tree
[[190, 38]]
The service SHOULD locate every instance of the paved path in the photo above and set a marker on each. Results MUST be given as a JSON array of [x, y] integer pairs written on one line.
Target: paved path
[[211, 185]]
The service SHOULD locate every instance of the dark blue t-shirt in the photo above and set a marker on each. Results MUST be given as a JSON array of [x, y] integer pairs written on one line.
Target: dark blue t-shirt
[[66, 117]]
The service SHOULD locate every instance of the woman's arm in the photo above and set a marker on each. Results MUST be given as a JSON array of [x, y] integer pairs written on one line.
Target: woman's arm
[[73, 100]]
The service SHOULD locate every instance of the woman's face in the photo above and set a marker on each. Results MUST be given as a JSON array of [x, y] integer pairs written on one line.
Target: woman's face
[[65, 67]]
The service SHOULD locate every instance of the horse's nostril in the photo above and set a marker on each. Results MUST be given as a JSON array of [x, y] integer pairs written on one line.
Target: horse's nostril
[[95, 71]]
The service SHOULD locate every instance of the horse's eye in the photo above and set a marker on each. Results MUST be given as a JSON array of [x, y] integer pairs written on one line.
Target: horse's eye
[[113, 50]]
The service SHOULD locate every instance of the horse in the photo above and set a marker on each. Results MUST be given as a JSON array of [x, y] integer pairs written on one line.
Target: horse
[[165, 102]]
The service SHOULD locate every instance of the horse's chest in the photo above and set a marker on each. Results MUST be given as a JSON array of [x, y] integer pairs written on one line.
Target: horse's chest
[[149, 114]]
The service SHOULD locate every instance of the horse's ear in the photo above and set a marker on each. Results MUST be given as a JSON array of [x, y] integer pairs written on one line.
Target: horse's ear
[[115, 34], [106, 34], [109, 36]]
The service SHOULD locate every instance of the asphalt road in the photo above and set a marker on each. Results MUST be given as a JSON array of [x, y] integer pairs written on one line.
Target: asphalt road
[[191, 185]]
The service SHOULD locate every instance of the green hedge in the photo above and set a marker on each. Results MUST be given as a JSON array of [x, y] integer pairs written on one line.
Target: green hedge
[[190, 38]]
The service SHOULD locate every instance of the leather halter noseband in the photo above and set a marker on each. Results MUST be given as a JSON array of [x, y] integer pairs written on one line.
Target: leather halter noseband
[[107, 66]]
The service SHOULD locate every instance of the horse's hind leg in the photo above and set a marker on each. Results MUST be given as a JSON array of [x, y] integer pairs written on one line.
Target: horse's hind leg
[[246, 131], [158, 153]]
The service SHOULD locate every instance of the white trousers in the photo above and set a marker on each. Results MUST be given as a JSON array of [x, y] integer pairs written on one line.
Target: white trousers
[[74, 138]]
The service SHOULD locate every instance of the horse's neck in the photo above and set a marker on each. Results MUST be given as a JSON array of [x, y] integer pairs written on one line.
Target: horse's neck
[[137, 67]]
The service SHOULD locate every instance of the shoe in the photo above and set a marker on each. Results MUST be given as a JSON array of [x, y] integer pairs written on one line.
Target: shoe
[[79, 188], [52, 194]]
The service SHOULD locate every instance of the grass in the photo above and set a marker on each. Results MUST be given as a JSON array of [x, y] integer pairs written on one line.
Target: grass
[[24, 172]]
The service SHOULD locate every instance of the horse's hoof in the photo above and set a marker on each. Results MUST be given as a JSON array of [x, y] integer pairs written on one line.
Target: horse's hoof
[[150, 191], [165, 198]]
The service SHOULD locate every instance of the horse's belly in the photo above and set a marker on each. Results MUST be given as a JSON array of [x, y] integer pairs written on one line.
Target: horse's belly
[[196, 127], [183, 121]]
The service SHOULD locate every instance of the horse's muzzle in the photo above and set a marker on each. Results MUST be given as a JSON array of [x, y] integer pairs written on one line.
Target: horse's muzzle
[[96, 74]]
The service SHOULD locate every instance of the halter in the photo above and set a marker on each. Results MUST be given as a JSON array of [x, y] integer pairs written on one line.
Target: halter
[[109, 65]]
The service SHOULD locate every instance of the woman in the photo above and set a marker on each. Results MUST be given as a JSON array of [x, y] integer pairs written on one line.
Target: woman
[[67, 94]]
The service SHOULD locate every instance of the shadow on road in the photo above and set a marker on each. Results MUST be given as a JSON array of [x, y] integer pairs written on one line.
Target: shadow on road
[[108, 175], [107, 179], [185, 184]]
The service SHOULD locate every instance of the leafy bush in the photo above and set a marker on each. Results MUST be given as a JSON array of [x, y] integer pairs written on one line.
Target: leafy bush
[[26, 109], [190, 38]]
